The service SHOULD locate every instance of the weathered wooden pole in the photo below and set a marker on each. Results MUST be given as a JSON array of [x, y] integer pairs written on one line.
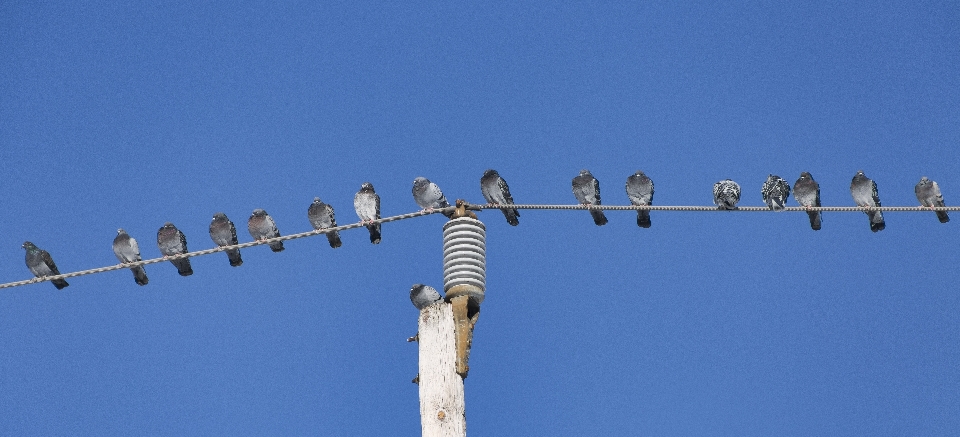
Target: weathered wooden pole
[[446, 327]]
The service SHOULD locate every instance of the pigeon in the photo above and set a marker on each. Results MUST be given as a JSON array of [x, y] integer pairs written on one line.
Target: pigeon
[[127, 251], [41, 264], [928, 193], [864, 191], [224, 233], [496, 192], [429, 197], [640, 193], [172, 242], [775, 192], [321, 217], [262, 227], [367, 205], [586, 189], [423, 296], [807, 193], [726, 194]]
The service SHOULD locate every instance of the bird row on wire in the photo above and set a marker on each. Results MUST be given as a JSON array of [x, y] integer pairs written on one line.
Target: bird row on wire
[[586, 189]]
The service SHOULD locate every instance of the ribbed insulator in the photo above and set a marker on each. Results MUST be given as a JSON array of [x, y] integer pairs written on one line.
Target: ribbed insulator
[[464, 258]]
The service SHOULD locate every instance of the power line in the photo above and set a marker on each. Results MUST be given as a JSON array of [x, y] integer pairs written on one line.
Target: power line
[[476, 207]]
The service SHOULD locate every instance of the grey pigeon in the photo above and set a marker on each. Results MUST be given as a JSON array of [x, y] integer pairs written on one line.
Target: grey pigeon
[[586, 189], [127, 250], [496, 192], [224, 233], [928, 193], [640, 193], [807, 193], [775, 192], [864, 192], [172, 242], [726, 194], [423, 296], [367, 205], [262, 227], [321, 217], [41, 264], [429, 197]]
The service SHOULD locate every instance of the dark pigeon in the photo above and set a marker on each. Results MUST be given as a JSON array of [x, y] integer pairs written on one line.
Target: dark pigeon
[[807, 193], [726, 194], [428, 195], [224, 233], [321, 217], [496, 192], [928, 193], [864, 192], [640, 193], [775, 192], [367, 205], [423, 296], [127, 251], [172, 242], [41, 264], [586, 189], [262, 227]]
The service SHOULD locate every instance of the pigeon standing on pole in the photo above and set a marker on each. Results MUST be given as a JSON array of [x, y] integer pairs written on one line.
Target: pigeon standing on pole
[[726, 194], [640, 193], [586, 189], [807, 193], [41, 264], [496, 192], [367, 205], [429, 197], [127, 251], [321, 217], [864, 192], [172, 242], [928, 193], [224, 233], [423, 296], [261, 227], [775, 192]]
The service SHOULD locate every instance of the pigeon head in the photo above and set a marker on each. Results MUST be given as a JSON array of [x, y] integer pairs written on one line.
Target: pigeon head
[[366, 186], [168, 225], [219, 215], [639, 173], [805, 174], [28, 245], [490, 172], [924, 181], [584, 172], [259, 212], [121, 231], [316, 200]]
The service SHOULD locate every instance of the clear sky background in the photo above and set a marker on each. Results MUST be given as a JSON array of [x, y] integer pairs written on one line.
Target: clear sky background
[[116, 115]]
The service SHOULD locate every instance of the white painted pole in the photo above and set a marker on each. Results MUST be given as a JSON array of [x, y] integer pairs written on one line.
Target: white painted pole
[[442, 407]]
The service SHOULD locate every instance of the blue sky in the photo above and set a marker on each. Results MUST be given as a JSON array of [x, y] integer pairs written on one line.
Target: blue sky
[[737, 323]]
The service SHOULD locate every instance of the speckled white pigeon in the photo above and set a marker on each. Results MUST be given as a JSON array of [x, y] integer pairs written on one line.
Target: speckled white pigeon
[[726, 194], [775, 192]]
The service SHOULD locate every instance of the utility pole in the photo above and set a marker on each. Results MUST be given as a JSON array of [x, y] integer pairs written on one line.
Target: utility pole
[[446, 327]]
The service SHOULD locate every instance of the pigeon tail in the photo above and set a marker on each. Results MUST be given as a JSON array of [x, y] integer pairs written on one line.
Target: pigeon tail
[[60, 284], [374, 233], [334, 239], [876, 221], [234, 256], [276, 246], [511, 215], [183, 266], [643, 218], [814, 220], [943, 217], [139, 275], [598, 217]]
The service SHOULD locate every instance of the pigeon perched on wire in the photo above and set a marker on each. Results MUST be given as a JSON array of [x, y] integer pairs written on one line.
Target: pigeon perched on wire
[[726, 194], [807, 193], [496, 192], [127, 251], [928, 193], [262, 227], [321, 217], [172, 242], [586, 189], [423, 296], [640, 193], [775, 192], [864, 192], [41, 264], [429, 197], [367, 205], [224, 233]]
